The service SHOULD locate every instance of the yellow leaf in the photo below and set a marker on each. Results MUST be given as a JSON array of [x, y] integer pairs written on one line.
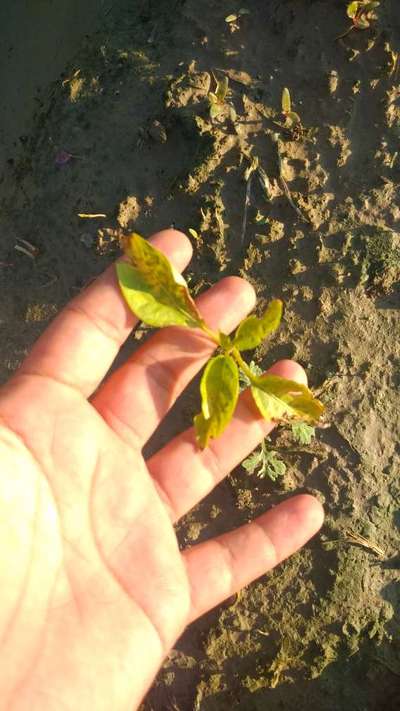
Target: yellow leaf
[[222, 89], [352, 9], [293, 118], [219, 390], [286, 101], [153, 289], [252, 331], [193, 233], [278, 397]]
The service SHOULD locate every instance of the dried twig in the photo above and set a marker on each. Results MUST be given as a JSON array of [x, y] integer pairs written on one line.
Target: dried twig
[[357, 540], [26, 248], [364, 542], [247, 202], [91, 215], [264, 182]]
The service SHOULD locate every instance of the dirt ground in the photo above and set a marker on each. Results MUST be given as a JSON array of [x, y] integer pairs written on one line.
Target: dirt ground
[[322, 631]]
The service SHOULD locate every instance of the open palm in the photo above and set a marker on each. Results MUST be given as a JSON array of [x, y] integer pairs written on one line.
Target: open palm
[[94, 590]]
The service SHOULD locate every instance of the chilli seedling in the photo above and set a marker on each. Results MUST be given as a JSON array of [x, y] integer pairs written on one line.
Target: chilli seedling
[[218, 99], [291, 118], [159, 296], [362, 14], [234, 19]]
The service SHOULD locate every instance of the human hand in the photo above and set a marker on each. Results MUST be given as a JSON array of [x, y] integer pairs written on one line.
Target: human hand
[[94, 590]]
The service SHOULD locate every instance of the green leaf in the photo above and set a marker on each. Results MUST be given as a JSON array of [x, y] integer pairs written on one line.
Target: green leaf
[[222, 89], [370, 6], [286, 101], [273, 467], [194, 233], [278, 397], [153, 289], [244, 380], [293, 118], [225, 341], [215, 109], [352, 9], [253, 330], [253, 461], [219, 390], [302, 432], [362, 22], [265, 462]]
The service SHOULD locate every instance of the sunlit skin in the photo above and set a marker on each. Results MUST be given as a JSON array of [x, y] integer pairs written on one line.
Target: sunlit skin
[[94, 590]]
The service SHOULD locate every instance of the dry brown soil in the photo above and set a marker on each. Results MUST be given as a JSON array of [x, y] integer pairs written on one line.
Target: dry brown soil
[[322, 631]]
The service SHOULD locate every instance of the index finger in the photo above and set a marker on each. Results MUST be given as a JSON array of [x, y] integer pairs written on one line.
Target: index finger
[[82, 342]]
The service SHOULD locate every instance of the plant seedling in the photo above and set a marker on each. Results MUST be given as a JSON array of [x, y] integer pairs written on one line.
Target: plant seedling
[[159, 296], [234, 19], [291, 118], [362, 14], [218, 99], [265, 462], [302, 432]]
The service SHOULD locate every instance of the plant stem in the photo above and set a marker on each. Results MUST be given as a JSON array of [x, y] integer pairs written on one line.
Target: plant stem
[[243, 365], [213, 335]]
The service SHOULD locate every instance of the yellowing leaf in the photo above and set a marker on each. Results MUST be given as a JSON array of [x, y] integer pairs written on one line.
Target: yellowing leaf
[[194, 233], [362, 22], [370, 6], [215, 109], [253, 330], [352, 9], [293, 118], [152, 288], [286, 102], [222, 89], [277, 397], [219, 390], [231, 18]]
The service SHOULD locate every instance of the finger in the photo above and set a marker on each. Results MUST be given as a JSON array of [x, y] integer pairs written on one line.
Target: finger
[[80, 345], [185, 474], [222, 566], [151, 380]]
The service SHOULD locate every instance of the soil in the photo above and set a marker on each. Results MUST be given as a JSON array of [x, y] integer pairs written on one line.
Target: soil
[[322, 233]]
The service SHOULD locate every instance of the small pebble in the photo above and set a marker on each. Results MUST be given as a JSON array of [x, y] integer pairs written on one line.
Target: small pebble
[[87, 239], [157, 132]]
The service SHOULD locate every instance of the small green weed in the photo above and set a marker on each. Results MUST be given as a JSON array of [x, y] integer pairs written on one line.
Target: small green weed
[[302, 432], [265, 462]]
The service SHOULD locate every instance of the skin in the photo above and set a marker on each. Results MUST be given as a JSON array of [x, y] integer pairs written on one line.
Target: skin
[[95, 590]]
